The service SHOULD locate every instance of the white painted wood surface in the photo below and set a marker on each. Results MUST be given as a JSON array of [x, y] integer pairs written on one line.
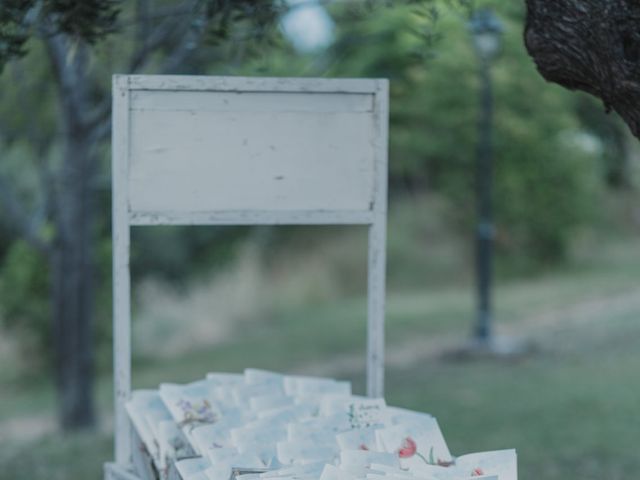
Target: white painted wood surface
[[239, 151], [253, 84], [377, 247], [254, 217], [121, 274]]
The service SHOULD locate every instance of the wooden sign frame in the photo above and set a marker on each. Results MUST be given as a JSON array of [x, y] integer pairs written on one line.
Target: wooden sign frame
[[192, 150]]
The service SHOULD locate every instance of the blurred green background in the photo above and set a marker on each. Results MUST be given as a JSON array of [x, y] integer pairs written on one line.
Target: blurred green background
[[294, 299]]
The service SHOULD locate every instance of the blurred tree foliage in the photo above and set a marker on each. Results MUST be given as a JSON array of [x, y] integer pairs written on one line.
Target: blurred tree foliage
[[54, 125], [24, 290], [88, 20], [550, 146], [545, 180], [554, 152]]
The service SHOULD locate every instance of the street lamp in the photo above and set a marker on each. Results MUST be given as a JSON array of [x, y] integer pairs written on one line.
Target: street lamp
[[486, 32]]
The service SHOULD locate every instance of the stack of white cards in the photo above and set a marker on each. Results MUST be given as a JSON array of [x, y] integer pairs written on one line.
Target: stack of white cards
[[263, 425]]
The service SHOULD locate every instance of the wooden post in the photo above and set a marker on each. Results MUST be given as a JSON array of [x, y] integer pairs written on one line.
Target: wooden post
[[377, 248], [121, 274]]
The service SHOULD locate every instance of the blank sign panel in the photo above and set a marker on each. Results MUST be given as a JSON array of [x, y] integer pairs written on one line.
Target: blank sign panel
[[195, 151]]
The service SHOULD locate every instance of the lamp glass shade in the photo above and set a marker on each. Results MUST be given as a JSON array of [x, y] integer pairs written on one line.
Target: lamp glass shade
[[487, 44]]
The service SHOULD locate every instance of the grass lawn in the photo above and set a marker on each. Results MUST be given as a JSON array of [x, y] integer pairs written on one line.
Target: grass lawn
[[570, 409]]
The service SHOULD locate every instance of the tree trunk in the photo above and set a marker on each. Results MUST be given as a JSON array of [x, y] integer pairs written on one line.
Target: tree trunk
[[71, 254], [73, 271], [590, 45]]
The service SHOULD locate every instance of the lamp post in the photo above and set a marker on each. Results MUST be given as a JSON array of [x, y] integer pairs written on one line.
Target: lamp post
[[486, 32]]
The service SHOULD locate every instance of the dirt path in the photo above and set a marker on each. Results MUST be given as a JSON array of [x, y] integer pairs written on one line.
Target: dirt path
[[537, 328]]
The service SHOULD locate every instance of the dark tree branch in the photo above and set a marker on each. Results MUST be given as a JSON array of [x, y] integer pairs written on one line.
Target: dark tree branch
[[68, 62], [101, 131], [184, 35], [143, 23], [190, 41], [172, 30], [159, 13], [168, 32], [156, 39], [592, 46]]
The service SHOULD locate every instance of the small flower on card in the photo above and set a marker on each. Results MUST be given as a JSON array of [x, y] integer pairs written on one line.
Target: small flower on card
[[196, 414], [408, 448], [477, 472]]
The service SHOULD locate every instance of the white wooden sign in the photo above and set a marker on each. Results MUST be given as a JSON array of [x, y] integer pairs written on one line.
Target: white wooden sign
[[237, 151]]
